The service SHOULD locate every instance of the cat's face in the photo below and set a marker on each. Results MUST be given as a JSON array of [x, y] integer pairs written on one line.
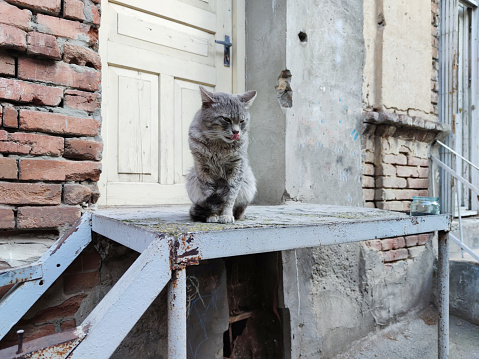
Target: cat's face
[[224, 116]]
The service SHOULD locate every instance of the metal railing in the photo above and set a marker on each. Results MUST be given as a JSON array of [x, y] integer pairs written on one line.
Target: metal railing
[[458, 179]]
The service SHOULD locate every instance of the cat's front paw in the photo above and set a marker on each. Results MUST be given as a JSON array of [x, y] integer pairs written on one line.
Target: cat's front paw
[[226, 218], [213, 219]]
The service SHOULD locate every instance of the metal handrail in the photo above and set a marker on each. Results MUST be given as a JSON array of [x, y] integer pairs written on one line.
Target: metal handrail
[[458, 177], [457, 154]]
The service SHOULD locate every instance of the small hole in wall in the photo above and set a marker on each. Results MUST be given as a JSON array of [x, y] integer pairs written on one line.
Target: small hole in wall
[[41, 282], [303, 37]]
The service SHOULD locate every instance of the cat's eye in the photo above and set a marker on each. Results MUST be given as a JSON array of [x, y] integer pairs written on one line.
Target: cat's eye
[[242, 121], [226, 119]]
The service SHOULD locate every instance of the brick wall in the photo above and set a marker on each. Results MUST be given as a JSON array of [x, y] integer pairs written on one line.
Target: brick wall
[[50, 144], [58, 308]]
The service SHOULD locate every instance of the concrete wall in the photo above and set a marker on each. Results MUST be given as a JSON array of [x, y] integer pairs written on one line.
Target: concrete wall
[[398, 71]]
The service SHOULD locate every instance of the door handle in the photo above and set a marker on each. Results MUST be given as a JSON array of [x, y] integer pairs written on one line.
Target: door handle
[[227, 44]]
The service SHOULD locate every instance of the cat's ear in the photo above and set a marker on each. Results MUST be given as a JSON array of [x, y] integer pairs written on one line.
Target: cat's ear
[[207, 98], [247, 98]]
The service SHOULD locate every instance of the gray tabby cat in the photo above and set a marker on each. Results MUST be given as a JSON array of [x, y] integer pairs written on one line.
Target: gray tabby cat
[[221, 183]]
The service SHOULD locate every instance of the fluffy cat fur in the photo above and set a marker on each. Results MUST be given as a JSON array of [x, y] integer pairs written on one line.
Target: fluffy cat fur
[[221, 183]]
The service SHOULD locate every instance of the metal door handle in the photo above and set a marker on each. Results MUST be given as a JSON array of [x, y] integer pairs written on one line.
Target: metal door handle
[[227, 44]]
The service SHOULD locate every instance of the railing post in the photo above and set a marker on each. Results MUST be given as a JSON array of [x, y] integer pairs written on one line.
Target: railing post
[[443, 275], [177, 315]]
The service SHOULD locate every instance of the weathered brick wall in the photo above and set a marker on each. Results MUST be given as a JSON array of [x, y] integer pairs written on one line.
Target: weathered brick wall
[[58, 309], [50, 146]]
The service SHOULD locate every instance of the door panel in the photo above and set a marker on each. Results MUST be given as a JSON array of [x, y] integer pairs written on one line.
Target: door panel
[[157, 54]]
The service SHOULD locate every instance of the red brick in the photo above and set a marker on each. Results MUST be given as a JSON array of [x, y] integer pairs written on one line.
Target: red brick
[[95, 14], [64, 310], [417, 183], [7, 65], [21, 91], [368, 194], [395, 255], [30, 193], [80, 282], [390, 182], [389, 194], [1, 115], [399, 242], [73, 9], [33, 144], [44, 45], [407, 171], [81, 56], [59, 73], [12, 15], [10, 117], [91, 260], [416, 161], [63, 28], [374, 244], [12, 38], [368, 169], [411, 240], [68, 324], [57, 170], [399, 159], [8, 168], [3, 135], [369, 205], [423, 172], [83, 149], [7, 218], [76, 194], [385, 170], [423, 238], [387, 244], [401, 206], [46, 217], [46, 6], [368, 182], [58, 123], [81, 100]]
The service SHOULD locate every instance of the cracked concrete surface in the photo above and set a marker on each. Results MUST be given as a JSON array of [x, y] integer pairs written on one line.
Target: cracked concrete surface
[[416, 337]]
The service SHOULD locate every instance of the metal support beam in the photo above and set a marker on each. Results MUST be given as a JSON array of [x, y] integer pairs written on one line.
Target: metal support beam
[[443, 274], [21, 274], [113, 318], [177, 315], [22, 296]]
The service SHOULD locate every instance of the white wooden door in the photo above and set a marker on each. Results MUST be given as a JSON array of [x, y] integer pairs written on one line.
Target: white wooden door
[[155, 54]]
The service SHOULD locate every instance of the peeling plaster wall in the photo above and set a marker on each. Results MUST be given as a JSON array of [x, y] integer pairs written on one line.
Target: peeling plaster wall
[[323, 149], [398, 71]]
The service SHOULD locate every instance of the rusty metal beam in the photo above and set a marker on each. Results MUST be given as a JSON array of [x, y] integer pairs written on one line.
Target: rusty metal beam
[[20, 274]]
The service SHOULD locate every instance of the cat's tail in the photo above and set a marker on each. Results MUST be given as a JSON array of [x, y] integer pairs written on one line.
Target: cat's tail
[[212, 205]]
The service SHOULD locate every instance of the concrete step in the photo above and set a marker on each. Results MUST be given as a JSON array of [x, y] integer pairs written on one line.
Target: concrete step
[[464, 288], [416, 337]]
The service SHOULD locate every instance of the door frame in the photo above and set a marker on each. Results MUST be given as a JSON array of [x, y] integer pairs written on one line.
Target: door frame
[[237, 63]]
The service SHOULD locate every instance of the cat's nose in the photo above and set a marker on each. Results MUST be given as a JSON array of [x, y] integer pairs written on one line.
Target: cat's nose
[[235, 132]]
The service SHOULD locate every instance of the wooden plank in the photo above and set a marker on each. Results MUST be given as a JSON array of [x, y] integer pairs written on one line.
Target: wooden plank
[[149, 61], [147, 194], [163, 32], [177, 11]]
